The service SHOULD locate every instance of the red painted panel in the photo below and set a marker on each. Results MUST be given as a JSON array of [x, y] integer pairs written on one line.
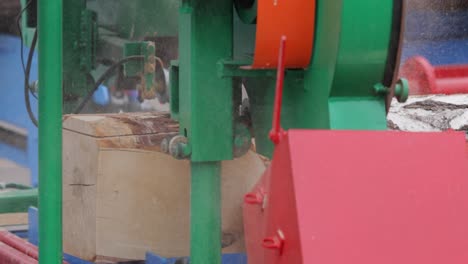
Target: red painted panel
[[381, 197], [367, 197]]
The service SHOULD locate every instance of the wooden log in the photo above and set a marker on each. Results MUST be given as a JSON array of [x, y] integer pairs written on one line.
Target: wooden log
[[123, 197]]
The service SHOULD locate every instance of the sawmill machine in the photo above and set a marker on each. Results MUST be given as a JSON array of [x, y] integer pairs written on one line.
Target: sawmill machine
[[318, 78]]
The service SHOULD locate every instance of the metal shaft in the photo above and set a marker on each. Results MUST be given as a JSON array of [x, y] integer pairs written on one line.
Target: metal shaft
[[205, 215], [50, 131]]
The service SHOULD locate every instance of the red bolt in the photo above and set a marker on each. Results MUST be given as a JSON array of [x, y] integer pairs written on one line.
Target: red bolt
[[255, 197], [275, 242]]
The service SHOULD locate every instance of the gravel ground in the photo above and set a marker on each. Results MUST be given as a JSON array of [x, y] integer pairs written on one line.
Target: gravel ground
[[430, 113]]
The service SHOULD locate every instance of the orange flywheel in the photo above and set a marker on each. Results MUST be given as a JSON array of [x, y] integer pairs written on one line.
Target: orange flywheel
[[294, 19]]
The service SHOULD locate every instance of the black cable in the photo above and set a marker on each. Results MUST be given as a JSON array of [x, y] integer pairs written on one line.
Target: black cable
[[18, 19], [32, 93], [80, 107], [107, 74], [26, 79]]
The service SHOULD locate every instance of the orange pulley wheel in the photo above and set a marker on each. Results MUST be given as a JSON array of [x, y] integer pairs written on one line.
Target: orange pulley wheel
[[294, 19]]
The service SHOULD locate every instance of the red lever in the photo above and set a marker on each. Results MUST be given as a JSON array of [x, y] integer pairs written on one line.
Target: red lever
[[277, 132]]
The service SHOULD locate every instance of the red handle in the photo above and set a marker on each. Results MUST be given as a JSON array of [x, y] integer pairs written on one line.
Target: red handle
[[275, 242], [277, 132]]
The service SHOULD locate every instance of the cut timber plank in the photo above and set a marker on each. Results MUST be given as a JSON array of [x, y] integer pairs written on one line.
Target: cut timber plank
[[80, 165], [123, 197], [13, 219]]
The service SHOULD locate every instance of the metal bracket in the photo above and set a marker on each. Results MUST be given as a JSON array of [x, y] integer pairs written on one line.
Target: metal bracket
[[146, 69], [229, 69], [400, 90]]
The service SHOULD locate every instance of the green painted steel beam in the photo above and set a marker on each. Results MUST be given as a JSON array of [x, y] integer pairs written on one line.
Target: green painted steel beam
[[205, 216], [205, 114], [353, 113], [366, 28], [50, 131], [205, 99], [17, 201], [352, 46]]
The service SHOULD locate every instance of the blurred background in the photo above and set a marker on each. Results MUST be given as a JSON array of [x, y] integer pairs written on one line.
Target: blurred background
[[435, 29]]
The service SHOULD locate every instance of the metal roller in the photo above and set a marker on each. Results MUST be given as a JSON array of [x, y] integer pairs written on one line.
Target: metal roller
[[293, 19]]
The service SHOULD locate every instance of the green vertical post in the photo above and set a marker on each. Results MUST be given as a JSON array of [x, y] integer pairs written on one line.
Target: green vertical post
[[205, 217], [205, 99], [50, 131], [205, 115]]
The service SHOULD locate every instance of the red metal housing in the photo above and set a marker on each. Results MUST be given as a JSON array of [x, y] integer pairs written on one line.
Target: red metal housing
[[334, 197]]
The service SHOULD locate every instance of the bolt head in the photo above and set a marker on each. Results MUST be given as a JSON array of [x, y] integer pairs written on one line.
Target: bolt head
[[165, 145]]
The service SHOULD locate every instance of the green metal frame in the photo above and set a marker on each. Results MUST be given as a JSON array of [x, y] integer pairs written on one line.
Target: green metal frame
[[50, 130], [16, 198], [205, 216], [210, 130], [201, 91]]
